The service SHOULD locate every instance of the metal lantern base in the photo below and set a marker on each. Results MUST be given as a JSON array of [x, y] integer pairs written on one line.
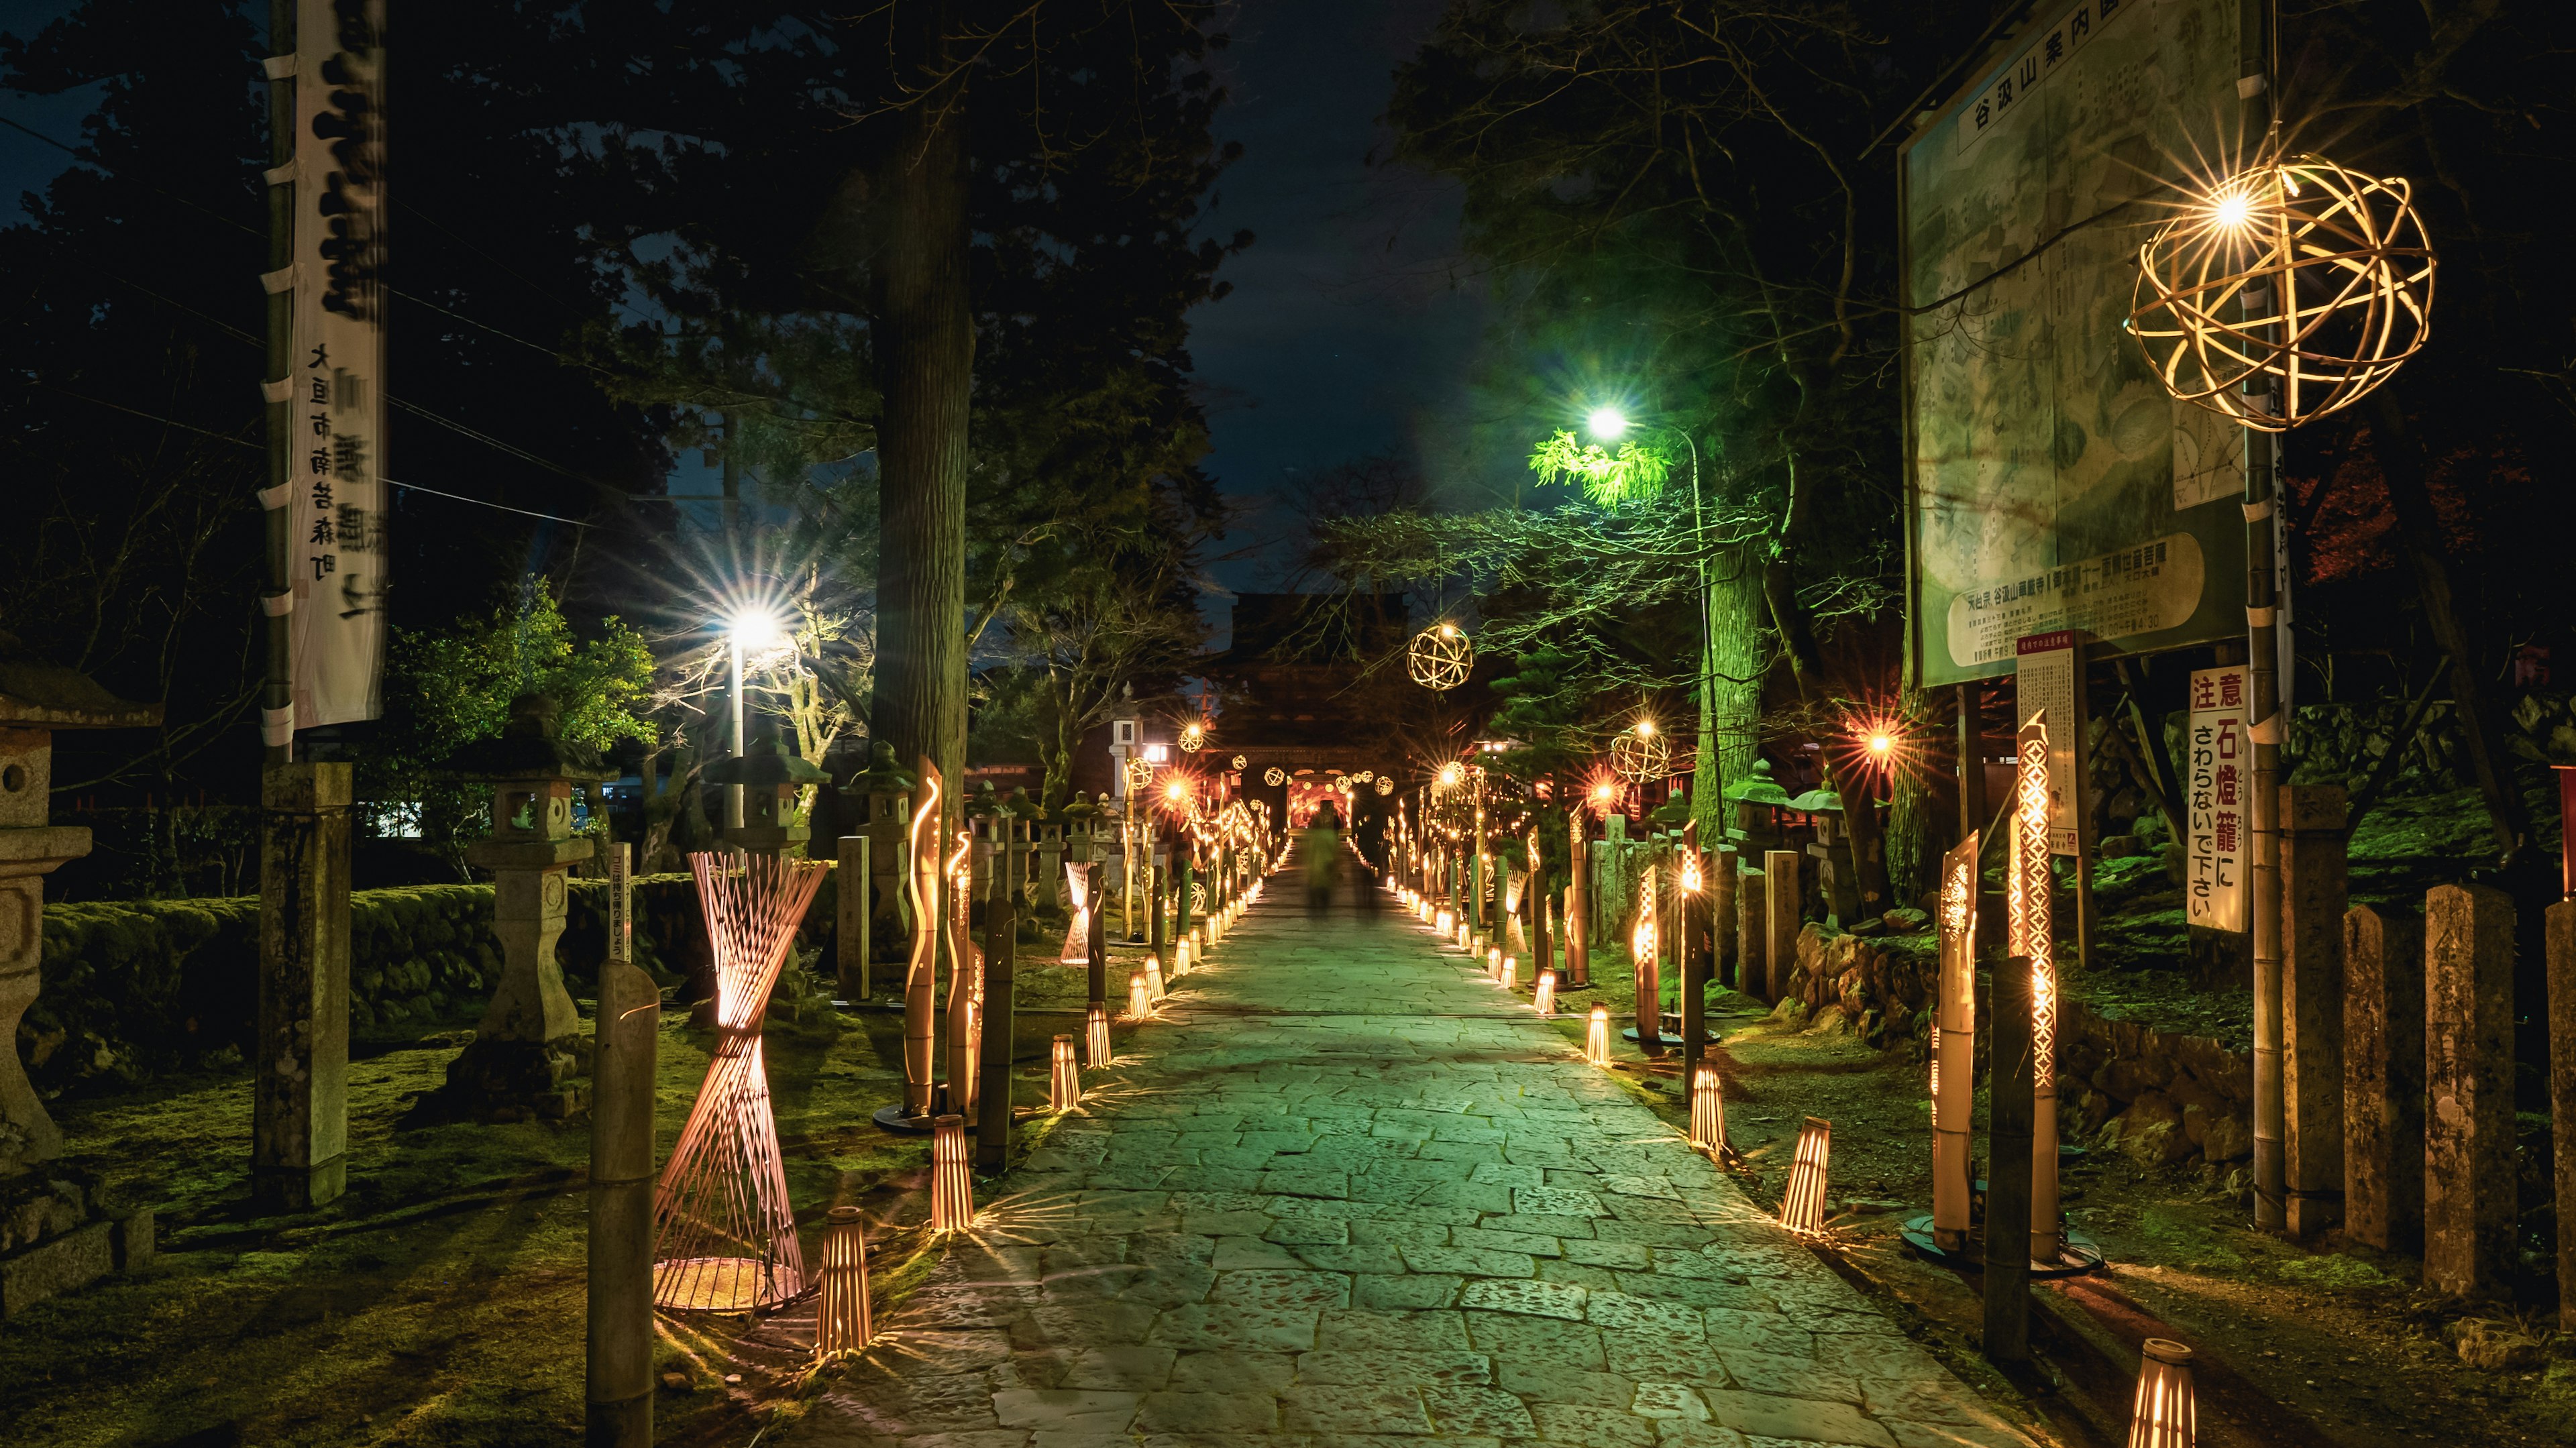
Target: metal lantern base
[[2078, 1256]]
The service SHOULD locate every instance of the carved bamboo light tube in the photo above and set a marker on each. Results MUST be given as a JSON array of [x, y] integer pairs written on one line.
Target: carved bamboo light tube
[[1153, 979], [1511, 973], [952, 1188], [2030, 901], [1064, 1080], [1954, 1047], [1139, 1003], [1546, 1000], [1802, 1206], [841, 1321], [1708, 1110], [1596, 1037], [1096, 1036], [2166, 1414]]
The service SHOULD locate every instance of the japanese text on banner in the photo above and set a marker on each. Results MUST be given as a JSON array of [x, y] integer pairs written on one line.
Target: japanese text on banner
[[2217, 775]]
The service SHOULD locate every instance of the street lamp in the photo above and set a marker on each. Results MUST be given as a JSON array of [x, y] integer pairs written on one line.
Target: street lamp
[[753, 630], [1608, 424]]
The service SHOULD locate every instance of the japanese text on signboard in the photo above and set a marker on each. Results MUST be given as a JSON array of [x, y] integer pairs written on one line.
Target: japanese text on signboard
[[2218, 825]]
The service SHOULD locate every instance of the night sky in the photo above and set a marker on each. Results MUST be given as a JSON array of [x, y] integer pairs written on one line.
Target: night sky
[[1351, 327]]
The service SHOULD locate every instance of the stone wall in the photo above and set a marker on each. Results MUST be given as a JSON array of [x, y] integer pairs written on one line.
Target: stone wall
[[132, 988], [2160, 1097]]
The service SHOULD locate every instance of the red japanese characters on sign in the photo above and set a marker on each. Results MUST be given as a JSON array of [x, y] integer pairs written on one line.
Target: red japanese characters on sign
[[2216, 823]]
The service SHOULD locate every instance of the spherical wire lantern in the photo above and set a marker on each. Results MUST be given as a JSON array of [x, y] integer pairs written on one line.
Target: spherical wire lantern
[[1275, 777], [1239, 762], [1640, 754], [1440, 657], [1140, 773], [2288, 291], [1193, 738], [1385, 786]]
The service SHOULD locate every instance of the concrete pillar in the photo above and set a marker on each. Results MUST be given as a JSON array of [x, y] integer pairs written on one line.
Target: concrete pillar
[[1781, 896], [300, 1091], [2558, 928], [2312, 989], [1752, 933], [2383, 1078], [2469, 1208], [618, 1388]]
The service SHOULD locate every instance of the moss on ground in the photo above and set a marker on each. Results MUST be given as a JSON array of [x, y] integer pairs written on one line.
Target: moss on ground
[[440, 1302]]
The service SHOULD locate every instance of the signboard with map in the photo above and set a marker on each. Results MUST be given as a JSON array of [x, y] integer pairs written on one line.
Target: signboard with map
[[2055, 485]]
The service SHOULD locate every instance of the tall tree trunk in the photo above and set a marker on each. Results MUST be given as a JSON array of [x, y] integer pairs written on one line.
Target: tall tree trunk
[[1913, 814], [1734, 605], [2419, 532], [924, 347]]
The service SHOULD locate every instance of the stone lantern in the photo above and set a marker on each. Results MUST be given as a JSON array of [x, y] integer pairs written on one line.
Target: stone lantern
[[527, 1054], [55, 1233], [771, 779]]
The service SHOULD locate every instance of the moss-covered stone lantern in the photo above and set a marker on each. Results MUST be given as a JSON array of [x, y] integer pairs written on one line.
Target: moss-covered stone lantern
[[771, 779], [55, 1232], [528, 1052]]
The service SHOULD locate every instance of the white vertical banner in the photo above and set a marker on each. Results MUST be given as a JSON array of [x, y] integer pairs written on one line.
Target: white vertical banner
[[2218, 825], [2048, 674], [336, 376]]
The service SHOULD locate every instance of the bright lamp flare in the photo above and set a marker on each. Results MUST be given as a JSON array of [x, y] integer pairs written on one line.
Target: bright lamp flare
[[1451, 774], [1607, 423], [756, 631]]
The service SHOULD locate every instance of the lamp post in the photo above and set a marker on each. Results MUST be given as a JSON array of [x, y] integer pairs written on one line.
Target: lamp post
[[758, 630], [1608, 424]]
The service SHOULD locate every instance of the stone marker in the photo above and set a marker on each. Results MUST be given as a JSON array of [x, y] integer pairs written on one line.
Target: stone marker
[[299, 1151], [1752, 933], [527, 1052], [2559, 930], [2383, 1078], [56, 1232], [618, 1384], [2469, 1208], [1781, 897], [853, 885], [1723, 965], [2312, 984], [882, 797]]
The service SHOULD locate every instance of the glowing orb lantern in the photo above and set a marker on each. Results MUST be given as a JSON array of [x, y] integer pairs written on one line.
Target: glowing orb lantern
[[2286, 292], [1641, 753], [1440, 657]]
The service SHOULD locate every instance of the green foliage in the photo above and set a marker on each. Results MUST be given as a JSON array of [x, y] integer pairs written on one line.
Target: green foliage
[[1634, 474]]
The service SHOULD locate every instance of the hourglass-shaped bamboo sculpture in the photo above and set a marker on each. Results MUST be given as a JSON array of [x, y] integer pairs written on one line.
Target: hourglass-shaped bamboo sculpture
[[1078, 880], [723, 1237]]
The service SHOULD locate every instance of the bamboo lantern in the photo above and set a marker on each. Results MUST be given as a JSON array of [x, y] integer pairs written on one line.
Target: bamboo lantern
[[1139, 1004], [2030, 901], [1494, 962], [1596, 1037], [2167, 1414], [1064, 1081], [1153, 979], [952, 1189], [1096, 1035], [1511, 974], [1802, 1207], [1180, 958], [1546, 1001], [1954, 1047], [1445, 923], [1708, 1110], [841, 1325]]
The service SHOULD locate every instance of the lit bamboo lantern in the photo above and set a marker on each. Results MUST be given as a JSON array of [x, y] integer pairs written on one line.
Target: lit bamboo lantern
[[2030, 900], [1546, 1001], [1494, 962], [1180, 958], [1596, 1037], [1139, 1005], [952, 1190], [1064, 1081], [1708, 1110], [1802, 1207], [1096, 1033], [1154, 979], [1444, 923], [1511, 973], [1954, 1047], [841, 1325], [2166, 1414]]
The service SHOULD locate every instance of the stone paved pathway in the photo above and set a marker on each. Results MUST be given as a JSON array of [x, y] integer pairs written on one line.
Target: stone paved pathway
[[1349, 1194]]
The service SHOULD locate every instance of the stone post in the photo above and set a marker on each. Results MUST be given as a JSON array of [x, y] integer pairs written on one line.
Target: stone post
[[1752, 933], [1724, 964], [2558, 929], [853, 936], [2383, 1078], [528, 1051], [618, 1389], [1781, 896], [1047, 881], [2469, 1207], [299, 1154], [2312, 987]]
